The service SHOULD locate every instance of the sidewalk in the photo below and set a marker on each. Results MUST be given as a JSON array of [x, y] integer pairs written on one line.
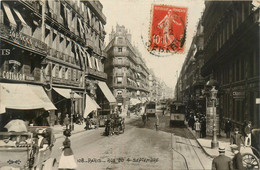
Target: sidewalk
[[205, 144], [58, 129]]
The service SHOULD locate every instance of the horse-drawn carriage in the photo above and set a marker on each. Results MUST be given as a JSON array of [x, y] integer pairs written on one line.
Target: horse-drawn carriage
[[27, 150], [114, 125], [251, 154]]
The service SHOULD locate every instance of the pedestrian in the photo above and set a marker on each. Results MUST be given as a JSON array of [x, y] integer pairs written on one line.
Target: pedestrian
[[203, 127], [197, 127], [192, 122], [163, 111], [128, 113], [87, 123], [66, 121], [157, 123], [67, 160], [222, 162], [237, 159], [228, 126], [236, 139], [248, 131]]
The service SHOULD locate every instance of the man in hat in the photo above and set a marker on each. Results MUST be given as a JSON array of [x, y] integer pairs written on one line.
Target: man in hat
[[236, 139], [237, 159], [222, 162]]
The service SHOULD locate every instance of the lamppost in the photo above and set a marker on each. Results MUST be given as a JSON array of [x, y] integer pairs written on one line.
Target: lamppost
[[213, 97], [72, 110], [210, 93]]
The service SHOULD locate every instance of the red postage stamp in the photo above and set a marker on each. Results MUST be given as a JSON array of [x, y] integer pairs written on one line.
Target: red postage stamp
[[167, 29]]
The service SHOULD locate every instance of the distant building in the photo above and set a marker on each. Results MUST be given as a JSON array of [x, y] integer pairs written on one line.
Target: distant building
[[127, 73], [190, 82]]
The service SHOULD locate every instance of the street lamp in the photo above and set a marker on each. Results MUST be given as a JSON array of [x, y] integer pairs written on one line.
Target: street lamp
[[213, 96], [72, 110]]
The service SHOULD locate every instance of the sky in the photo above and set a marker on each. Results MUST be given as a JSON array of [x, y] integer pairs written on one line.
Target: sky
[[135, 15]]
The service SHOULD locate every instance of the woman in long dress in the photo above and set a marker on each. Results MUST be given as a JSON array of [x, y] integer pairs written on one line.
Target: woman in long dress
[[67, 160]]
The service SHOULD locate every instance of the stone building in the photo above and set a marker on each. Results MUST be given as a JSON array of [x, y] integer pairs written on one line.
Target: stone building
[[58, 46], [127, 73], [231, 56]]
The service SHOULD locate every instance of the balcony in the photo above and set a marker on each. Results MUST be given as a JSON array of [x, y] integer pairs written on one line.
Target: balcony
[[23, 40], [123, 53], [121, 63], [90, 43], [119, 74], [95, 73]]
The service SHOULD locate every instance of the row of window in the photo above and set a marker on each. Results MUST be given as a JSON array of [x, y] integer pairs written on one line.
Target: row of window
[[72, 20], [242, 67], [60, 42], [236, 108], [62, 72], [232, 22]]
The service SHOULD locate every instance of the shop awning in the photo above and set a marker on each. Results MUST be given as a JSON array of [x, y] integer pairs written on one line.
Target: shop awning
[[66, 93], [90, 106], [20, 16], [23, 97], [43, 96], [9, 13], [134, 101], [110, 97]]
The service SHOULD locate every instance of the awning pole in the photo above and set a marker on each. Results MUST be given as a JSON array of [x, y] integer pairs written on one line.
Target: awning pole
[[43, 19], [60, 100]]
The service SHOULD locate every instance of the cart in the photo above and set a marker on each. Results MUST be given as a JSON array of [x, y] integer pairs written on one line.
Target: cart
[[22, 150], [250, 154]]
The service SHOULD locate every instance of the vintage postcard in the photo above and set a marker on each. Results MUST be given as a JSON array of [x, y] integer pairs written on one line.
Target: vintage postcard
[[129, 84]]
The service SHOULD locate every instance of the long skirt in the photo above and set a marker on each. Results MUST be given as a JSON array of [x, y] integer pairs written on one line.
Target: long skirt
[[67, 162]]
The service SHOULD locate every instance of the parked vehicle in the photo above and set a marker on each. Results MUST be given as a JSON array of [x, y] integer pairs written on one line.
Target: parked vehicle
[[24, 150], [177, 113]]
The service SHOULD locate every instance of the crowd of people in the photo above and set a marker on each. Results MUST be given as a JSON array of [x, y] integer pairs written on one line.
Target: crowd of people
[[198, 123]]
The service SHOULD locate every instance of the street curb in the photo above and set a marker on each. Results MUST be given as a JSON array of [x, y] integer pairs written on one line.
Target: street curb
[[200, 144], [85, 130]]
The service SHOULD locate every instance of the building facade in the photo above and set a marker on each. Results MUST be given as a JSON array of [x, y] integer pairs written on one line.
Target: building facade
[[127, 73], [231, 56], [190, 82], [58, 46]]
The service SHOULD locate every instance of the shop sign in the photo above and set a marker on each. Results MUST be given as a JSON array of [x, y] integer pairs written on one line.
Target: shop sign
[[14, 62], [13, 76], [5, 51], [238, 95], [29, 78]]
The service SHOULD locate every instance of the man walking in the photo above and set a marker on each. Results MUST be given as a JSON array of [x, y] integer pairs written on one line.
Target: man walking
[[222, 162], [248, 130], [197, 127], [236, 139], [237, 160], [228, 127]]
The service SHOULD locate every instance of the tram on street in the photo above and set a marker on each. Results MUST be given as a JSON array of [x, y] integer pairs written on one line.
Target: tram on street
[[150, 109], [177, 113]]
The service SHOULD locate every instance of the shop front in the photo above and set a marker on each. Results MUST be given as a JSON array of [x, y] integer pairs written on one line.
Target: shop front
[[24, 101], [105, 99]]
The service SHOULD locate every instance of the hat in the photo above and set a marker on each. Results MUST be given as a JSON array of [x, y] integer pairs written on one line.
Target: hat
[[67, 133], [221, 149]]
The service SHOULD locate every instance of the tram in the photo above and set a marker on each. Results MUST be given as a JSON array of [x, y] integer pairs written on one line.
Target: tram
[[177, 113], [150, 109]]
